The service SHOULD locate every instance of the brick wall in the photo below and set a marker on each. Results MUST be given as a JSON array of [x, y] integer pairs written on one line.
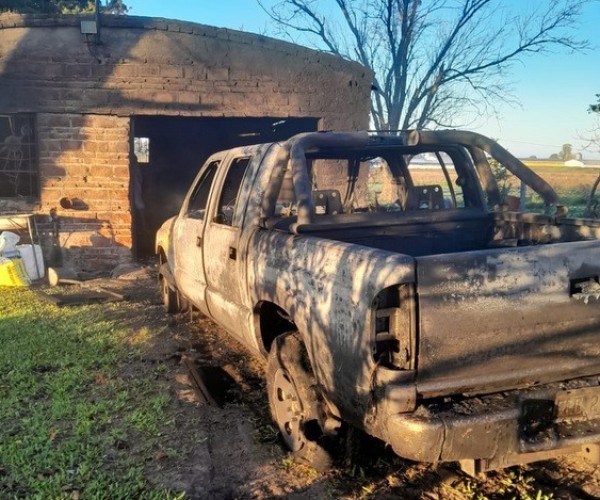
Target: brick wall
[[83, 95], [147, 66], [85, 159]]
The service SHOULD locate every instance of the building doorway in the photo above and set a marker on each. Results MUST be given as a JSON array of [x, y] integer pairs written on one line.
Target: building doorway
[[168, 151]]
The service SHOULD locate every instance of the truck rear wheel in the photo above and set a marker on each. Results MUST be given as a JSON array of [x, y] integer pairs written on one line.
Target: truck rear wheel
[[291, 387]]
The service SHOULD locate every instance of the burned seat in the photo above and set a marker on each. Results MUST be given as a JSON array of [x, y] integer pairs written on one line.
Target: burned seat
[[429, 197], [327, 202]]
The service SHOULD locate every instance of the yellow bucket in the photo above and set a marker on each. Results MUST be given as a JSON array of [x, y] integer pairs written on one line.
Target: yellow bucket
[[13, 273]]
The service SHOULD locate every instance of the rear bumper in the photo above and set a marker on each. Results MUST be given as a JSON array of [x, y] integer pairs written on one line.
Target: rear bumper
[[515, 427]]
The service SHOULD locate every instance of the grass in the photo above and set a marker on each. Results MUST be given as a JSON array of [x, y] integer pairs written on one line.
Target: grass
[[513, 483], [573, 186], [69, 412]]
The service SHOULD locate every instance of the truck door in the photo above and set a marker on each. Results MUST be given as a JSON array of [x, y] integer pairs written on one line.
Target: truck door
[[224, 274], [188, 233]]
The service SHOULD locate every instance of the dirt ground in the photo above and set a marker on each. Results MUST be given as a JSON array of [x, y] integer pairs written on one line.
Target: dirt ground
[[229, 448]]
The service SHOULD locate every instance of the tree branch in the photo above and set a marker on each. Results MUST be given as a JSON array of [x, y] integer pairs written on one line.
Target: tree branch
[[432, 59]]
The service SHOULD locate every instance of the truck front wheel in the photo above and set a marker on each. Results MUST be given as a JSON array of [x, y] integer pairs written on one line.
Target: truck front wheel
[[292, 387], [168, 296]]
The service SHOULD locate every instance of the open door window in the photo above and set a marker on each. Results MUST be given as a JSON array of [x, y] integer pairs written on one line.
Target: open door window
[[231, 189], [196, 208]]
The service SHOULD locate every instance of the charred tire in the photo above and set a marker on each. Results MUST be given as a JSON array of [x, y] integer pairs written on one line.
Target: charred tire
[[168, 296], [291, 387], [183, 304]]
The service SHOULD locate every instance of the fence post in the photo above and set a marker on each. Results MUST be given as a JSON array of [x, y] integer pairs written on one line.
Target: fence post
[[522, 196]]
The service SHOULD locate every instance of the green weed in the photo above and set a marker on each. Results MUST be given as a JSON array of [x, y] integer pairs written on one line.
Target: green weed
[[67, 414], [513, 484]]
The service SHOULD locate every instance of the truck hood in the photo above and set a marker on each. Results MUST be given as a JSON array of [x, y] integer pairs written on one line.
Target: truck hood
[[498, 319]]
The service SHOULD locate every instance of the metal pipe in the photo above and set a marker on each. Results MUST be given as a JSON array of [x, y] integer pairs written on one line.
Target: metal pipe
[[97, 17], [486, 176], [275, 181], [522, 196], [298, 146]]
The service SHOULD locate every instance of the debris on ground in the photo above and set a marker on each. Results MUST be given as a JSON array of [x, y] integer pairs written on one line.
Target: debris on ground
[[230, 448]]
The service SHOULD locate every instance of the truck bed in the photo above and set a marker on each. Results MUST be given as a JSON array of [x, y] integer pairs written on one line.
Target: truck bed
[[491, 316], [412, 233]]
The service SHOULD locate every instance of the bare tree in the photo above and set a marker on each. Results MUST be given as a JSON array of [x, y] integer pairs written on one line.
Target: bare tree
[[432, 59]]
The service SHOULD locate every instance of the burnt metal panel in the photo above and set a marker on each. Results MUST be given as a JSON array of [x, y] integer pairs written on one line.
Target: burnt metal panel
[[328, 288], [507, 318]]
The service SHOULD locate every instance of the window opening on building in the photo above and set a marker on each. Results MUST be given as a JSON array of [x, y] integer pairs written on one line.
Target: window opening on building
[[19, 171], [141, 149]]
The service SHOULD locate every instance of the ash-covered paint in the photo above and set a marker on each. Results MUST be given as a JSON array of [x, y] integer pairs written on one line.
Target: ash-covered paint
[[504, 317], [328, 289]]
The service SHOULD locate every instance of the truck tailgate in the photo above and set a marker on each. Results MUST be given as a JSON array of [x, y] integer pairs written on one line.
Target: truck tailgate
[[504, 318]]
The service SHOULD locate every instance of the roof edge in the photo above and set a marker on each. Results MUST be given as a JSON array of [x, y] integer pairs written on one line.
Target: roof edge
[[10, 20]]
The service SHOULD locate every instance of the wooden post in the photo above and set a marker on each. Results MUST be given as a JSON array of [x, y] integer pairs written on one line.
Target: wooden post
[[62, 275], [522, 196]]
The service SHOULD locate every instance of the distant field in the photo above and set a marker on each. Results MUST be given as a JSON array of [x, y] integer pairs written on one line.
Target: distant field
[[573, 184], [559, 177], [565, 178]]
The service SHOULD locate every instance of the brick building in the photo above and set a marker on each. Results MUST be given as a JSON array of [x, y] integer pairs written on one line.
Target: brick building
[[80, 113]]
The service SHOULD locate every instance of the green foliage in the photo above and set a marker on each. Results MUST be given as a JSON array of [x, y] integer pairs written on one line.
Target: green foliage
[[514, 484], [61, 6], [594, 138], [503, 179], [26, 6], [69, 413], [117, 7], [566, 153], [75, 6], [595, 108]]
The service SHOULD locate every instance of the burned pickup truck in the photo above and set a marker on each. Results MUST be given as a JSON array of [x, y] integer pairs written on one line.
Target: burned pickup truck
[[393, 290]]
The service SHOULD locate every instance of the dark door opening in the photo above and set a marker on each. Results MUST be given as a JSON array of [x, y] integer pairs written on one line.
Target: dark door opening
[[170, 150]]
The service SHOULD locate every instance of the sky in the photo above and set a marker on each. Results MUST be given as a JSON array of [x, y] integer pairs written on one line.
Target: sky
[[554, 91]]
